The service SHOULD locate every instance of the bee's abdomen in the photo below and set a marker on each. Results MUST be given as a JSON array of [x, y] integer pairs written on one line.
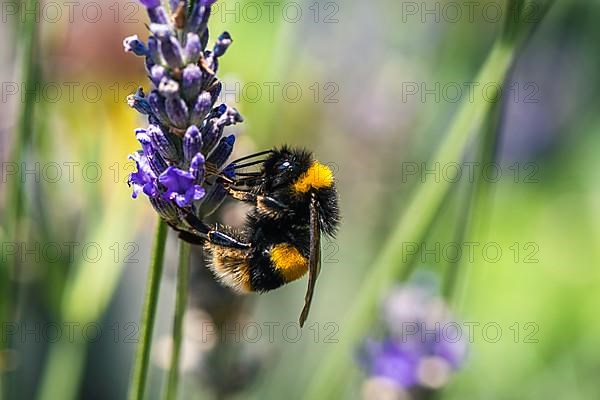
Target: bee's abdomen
[[275, 265], [259, 269], [230, 266]]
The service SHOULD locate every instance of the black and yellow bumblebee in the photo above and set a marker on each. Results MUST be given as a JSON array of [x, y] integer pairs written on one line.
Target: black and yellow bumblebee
[[294, 200]]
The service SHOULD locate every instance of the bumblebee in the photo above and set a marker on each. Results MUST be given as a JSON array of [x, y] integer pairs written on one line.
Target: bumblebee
[[294, 201]]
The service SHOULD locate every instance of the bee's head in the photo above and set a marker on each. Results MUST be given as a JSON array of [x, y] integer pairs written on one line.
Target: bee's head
[[285, 167], [299, 174]]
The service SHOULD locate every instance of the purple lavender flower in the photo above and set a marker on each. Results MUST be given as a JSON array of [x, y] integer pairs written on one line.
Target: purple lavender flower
[[144, 178], [422, 343], [181, 186], [184, 126]]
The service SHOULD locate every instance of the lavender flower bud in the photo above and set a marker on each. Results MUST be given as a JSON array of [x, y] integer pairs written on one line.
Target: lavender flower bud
[[162, 143], [133, 44], [173, 4], [149, 63], [142, 136], [197, 168], [215, 92], [204, 39], [211, 133], [231, 116], [176, 108], [172, 52], [157, 73], [219, 118], [193, 48], [222, 152], [156, 162], [222, 44], [139, 102], [156, 12], [201, 108], [168, 87], [158, 107], [212, 62], [197, 21], [191, 82], [150, 3], [192, 143], [177, 111], [153, 51], [161, 31]]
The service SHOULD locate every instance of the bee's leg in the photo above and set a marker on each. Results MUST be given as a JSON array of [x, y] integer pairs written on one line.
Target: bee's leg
[[241, 195], [191, 238], [221, 239], [200, 228], [265, 204], [214, 236]]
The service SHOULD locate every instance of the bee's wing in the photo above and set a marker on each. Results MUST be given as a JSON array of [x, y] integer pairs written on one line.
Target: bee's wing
[[314, 260]]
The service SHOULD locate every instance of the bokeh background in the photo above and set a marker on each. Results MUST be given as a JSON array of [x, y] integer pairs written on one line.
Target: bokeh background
[[370, 87]]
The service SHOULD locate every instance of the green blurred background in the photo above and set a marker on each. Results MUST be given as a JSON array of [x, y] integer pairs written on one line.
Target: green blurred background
[[357, 65]]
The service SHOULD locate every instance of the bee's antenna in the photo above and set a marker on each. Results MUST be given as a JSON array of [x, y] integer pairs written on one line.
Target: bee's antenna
[[252, 156], [248, 164], [251, 174]]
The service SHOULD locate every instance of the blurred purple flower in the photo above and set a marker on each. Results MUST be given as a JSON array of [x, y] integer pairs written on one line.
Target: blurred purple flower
[[422, 343], [387, 359]]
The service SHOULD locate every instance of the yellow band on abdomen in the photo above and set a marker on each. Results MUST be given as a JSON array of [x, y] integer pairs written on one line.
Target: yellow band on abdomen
[[288, 260]]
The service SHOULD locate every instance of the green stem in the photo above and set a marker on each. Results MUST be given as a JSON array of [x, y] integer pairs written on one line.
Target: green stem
[[31, 75], [471, 221], [15, 192], [63, 371], [142, 361], [183, 274], [474, 197], [412, 227]]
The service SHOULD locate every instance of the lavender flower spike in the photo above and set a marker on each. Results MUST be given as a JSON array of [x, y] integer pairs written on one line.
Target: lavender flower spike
[[184, 126]]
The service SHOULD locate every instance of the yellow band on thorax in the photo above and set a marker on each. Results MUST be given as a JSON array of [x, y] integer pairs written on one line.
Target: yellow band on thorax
[[318, 176]]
